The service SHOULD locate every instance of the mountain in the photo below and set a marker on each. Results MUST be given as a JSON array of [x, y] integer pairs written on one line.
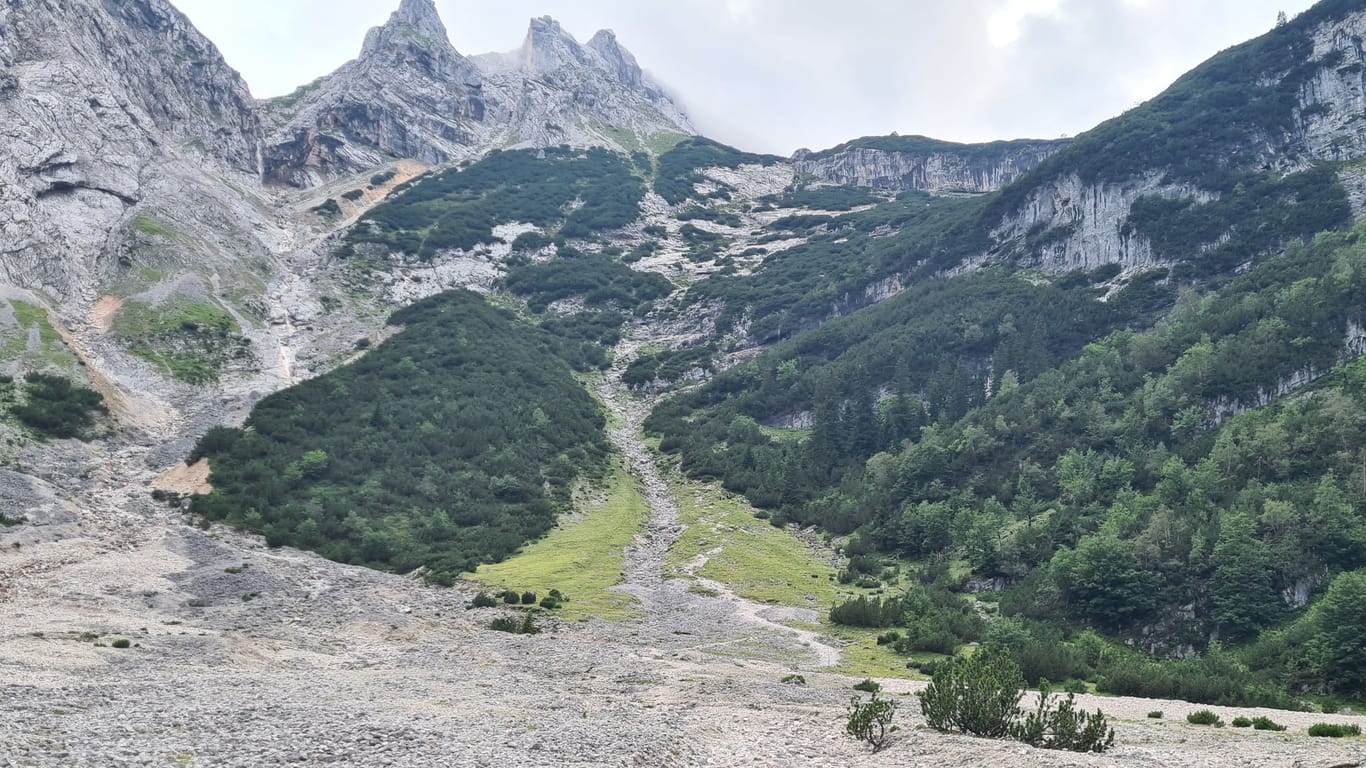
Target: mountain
[[504, 323], [411, 95], [110, 111], [925, 164], [1278, 104]]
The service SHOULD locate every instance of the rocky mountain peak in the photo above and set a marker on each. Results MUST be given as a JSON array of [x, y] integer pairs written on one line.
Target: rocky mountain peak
[[619, 61], [414, 35], [420, 15], [549, 47]]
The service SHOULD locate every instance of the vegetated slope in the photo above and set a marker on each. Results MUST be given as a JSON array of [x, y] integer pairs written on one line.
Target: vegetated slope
[[451, 444], [1124, 489], [577, 191], [1019, 429], [679, 169]]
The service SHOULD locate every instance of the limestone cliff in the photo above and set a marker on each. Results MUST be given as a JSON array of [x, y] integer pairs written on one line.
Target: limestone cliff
[[411, 95], [108, 109], [902, 163], [1302, 100]]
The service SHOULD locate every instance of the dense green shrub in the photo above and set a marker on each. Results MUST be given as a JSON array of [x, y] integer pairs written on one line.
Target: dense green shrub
[[327, 209], [871, 720], [1262, 723], [53, 406], [678, 169], [528, 598], [979, 694], [599, 279], [867, 685], [1156, 714], [484, 600], [1059, 725], [1241, 722], [458, 209], [353, 195], [525, 626], [121, 643], [453, 443], [1204, 717], [1334, 730]]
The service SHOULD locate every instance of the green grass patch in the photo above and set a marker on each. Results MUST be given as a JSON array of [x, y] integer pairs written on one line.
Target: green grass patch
[[786, 435], [582, 558], [192, 341], [52, 350], [863, 657], [756, 560], [150, 226], [770, 565]]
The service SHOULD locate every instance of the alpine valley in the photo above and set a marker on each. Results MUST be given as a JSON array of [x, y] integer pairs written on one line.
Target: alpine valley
[[476, 410]]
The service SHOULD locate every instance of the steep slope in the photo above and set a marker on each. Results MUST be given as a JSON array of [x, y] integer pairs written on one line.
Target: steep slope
[[411, 95], [107, 109], [553, 90], [1268, 108], [905, 163], [1047, 388]]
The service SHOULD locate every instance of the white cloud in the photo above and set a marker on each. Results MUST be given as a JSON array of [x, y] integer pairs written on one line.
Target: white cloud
[[774, 75], [1004, 24]]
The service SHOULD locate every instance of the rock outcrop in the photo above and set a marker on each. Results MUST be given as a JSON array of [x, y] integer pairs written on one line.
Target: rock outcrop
[[1066, 222], [903, 163], [408, 95], [411, 95], [108, 109]]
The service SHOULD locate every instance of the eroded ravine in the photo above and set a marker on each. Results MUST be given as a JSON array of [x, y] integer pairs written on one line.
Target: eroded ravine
[[668, 603]]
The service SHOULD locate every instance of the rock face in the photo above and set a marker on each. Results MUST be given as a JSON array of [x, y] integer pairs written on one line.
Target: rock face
[[1331, 104], [410, 94], [1083, 223], [107, 108], [555, 91], [923, 164]]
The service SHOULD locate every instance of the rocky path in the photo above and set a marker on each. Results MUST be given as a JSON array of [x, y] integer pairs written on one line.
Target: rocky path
[[727, 620]]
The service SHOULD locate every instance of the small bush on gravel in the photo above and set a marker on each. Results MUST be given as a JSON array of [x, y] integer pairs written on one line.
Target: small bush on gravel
[[511, 597], [1334, 730], [484, 600], [1156, 714], [793, 680], [1204, 717], [505, 624], [979, 694], [527, 626], [871, 721], [550, 603], [867, 685], [121, 643], [1240, 722], [1062, 726], [528, 598], [1266, 724]]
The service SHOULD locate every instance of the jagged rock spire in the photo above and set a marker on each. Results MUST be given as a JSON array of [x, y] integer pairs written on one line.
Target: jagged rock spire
[[548, 47], [619, 61], [415, 26], [421, 15]]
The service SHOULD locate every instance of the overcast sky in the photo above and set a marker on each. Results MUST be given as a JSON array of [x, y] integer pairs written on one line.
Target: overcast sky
[[775, 75]]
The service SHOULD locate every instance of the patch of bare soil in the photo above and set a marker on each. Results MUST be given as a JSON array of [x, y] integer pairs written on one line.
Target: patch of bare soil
[[186, 480]]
